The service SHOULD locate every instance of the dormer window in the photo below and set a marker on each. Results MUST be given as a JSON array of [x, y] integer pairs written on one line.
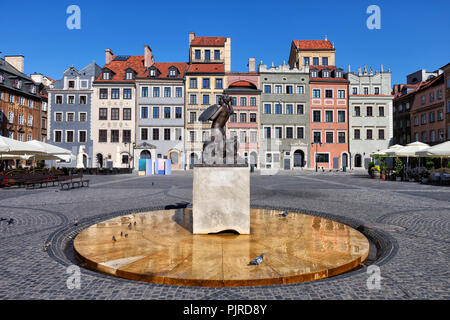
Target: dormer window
[[33, 89], [18, 84], [338, 74], [2, 78], [152, 73], [106, 76], [129, 75], [71, 84], [326, 73], [313, 73]]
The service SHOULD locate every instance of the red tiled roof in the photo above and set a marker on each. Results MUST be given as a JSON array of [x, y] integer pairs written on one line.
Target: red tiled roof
[[208, 41], [313, 44], [206, 68], [419, 86], [119, 67], [242, 84], [163, 68]]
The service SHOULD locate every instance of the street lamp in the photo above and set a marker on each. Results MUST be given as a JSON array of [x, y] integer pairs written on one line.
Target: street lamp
[[315, 156]]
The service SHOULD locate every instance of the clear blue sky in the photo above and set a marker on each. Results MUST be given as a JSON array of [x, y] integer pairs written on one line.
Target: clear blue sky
[[414, 34]]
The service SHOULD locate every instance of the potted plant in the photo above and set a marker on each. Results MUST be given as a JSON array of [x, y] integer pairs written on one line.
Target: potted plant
[[398, 169], [376, 171], [370, 169]]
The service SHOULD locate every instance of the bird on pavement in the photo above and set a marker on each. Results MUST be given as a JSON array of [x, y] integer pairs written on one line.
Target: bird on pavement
[[135, 223], [75, 222], [10, 221], [121, 233], [126, 235], [257, 260], [114, 239], [129, 226], [284, 214]]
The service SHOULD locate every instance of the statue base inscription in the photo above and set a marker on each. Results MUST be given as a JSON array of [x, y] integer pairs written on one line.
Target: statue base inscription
[[221, 199]]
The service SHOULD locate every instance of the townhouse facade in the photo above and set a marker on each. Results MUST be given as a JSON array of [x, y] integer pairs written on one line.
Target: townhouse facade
[[428, 119], [244, 122], [114, 109], [285, 113], [20, 101], [402, 103], [370, 114], [446, 70], [70, 117], [209, 59], [160, 113]]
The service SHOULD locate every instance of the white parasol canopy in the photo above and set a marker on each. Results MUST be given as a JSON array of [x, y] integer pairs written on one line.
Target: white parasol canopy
[[49, 149], [15, 147], [384, 152], [441, 150], [409, 150]]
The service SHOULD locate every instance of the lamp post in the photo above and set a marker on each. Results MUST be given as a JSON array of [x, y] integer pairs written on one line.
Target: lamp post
[[315, 156]]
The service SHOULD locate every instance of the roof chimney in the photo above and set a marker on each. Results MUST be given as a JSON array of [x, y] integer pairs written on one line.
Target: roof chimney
[[16, 61], [251, 65], [108, 56], [148, 57], [191, 37], [37, 77]]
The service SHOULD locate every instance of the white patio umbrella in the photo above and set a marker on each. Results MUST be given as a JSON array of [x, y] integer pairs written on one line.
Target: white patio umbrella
[[409, 150], [441, 150], [384, 152], [15, 147], [49, 149]]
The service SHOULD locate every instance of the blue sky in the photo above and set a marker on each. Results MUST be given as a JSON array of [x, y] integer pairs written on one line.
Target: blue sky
[[414, 34]]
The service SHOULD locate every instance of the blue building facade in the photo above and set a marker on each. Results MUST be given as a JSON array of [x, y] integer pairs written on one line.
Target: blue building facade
[[70, 115]]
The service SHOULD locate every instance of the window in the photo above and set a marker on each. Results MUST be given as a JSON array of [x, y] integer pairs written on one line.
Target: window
[[424, 119], [315, 61], [278, 108], [193, 83], [440, 116], [206, 84], [431, 96], [381, 111], [58, 136], [155, 112], [127, 114], [144, 112], [317, 137], [424, 136], [233, 101], [328, 93], [341, 137], [325, 74], [206, 99], [300, 133], [267, 108], [366, 90], [192, 117], [69, 136], [83, 99], [432, 136], [114, 135], [178, 112], [316, 93], [21, 119], [219, 83], [167, 92], [11, 98], [178, 134], [253, 137], [167, 111], [278, 133], [380, 134], [431, 116], [328, 116], [29, 137], [198, 54], [155, 133], [102, 136], [70, 117], [126, 136], [179, 92], [289, 90], [289, 109], [105, 75], [306, 61], [324, 61], [233, 118], [71, 84], [216, 54], [22, 101], [129, 75], [193, 99], [103, 93], [207, 55], [58, 116], [152, 73], [300, 109], [127, 94], [322, 158], [300, 90], [144, 134], [267, 89], [441, 135], [422, 99], [59, 99], [316, 116], [341, 116], [253, 101], [192, 136], [30, 120], [267, 133], [82, 117], [341, 94], [369, 134], [115, 93], [243, 136], [329, 137], [156, 92], [82, 136], [253, 117], [30, 103], [355, 91], [357, 134], [369, 111], [278, 89], [205, 136], [416, 121], [289, 133], [115, 114], [243, 117], [377, 91], [103, 114], [243, 101]]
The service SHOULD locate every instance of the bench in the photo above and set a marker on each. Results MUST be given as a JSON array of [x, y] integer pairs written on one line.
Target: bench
[[41, 181], [73, 181]]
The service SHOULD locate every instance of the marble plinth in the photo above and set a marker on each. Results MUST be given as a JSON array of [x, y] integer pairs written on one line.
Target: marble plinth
[[161, 249], [221, 199]]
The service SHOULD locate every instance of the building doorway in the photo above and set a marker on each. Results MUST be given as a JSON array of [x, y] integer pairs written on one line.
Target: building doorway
[[99, 160], [344, 161], [193, 159], [299, 159], [145, 154], [358, 161]]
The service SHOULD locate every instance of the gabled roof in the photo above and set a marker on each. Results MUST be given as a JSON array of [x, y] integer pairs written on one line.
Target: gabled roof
[[164, 67], [208, 41], [420, 86], [119, 68], [313, 44], [206, 68]]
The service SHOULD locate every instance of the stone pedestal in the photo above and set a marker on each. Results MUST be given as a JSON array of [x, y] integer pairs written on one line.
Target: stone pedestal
[[221, 199]]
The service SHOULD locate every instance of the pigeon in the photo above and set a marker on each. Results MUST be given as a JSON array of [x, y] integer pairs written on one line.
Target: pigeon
[[135, 223], [126, 235], [114, 239], [48, 244], [10, 221], [257, 260], [75, 222], [284, 214], [129, 226], [121, 233]]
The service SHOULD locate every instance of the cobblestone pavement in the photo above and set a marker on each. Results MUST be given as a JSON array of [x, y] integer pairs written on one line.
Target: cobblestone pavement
[[413, 218]]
